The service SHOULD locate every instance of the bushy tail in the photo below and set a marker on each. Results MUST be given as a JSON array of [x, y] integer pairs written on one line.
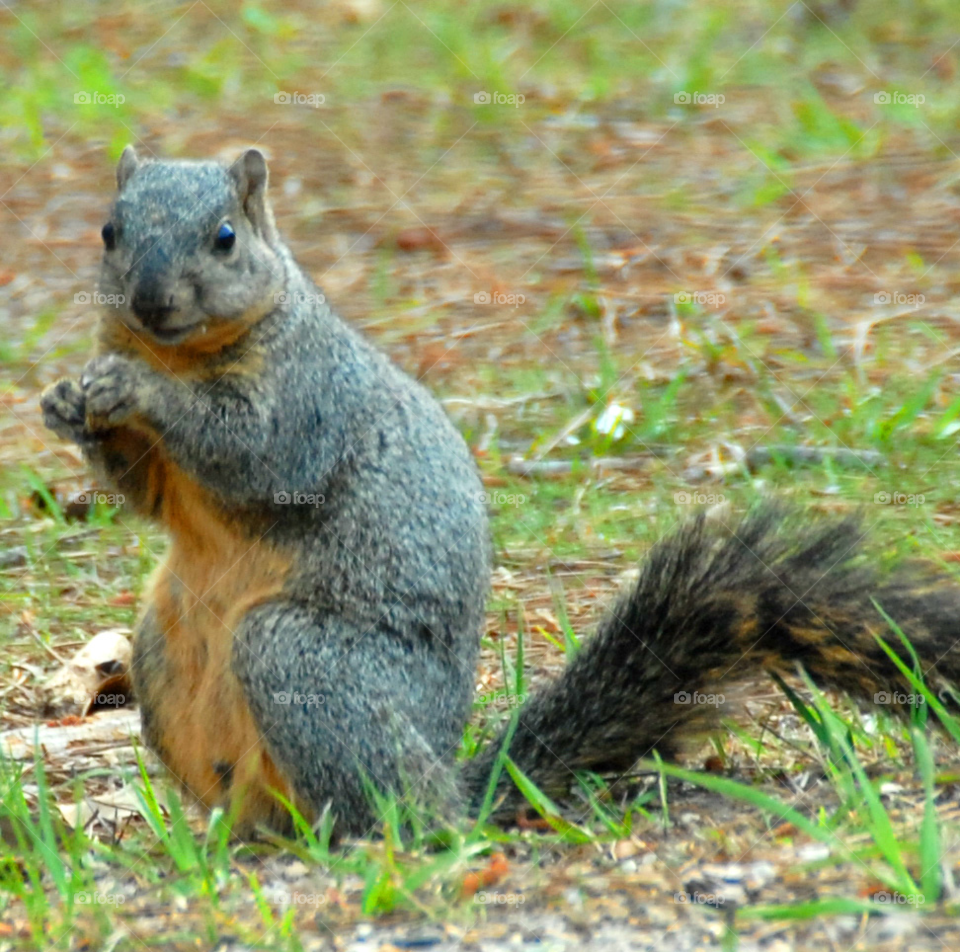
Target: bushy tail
[[713, 606]]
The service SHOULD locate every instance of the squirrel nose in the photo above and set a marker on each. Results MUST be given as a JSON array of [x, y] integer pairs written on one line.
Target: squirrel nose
[[154, 292], [152, 309]]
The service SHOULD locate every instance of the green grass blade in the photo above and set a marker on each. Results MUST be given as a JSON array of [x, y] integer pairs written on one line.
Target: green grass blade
[[546, 807], [950, 722], [498, 767], [781, 811], [930, 835], [813, 910], [880, 826]]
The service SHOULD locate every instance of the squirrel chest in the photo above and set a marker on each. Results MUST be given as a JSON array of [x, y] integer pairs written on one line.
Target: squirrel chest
[[195, 714]]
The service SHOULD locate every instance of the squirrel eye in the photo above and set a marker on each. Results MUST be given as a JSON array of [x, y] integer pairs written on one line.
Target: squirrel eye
[[109, 235], [226, 237]]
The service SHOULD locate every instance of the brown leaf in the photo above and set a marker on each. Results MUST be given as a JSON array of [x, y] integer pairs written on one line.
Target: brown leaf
[[420, 239]]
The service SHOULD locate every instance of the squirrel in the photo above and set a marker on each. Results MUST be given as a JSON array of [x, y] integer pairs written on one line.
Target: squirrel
[[314, 628]]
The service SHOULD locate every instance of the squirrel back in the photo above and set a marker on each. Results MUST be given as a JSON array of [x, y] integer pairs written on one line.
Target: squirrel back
[[314, 627]]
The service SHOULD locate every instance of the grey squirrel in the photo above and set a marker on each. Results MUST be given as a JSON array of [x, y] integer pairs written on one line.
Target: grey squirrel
[[314, 628]]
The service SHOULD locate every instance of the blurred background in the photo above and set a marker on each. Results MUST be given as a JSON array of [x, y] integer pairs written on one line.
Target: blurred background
[[648, 254]]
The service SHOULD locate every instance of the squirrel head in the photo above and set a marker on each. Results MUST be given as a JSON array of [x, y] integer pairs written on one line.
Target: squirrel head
[[191, 250]]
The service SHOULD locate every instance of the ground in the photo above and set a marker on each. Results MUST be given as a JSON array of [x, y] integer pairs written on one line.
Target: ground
[[650, 256]]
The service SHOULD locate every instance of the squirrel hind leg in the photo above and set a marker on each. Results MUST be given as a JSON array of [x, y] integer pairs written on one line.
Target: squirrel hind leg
[[350, 714], [195, 718]]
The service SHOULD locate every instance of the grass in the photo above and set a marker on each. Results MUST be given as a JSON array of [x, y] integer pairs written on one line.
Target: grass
[[800, 353], [861, 829], [75, 571]]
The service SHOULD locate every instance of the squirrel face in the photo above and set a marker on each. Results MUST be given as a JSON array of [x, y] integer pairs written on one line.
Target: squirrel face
[[190, 249]]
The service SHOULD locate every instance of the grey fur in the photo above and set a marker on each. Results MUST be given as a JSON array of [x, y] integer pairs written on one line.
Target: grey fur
[[383, 610]]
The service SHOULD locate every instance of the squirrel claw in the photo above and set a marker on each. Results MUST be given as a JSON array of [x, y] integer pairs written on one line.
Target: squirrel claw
[[64, 409], [109, 387]]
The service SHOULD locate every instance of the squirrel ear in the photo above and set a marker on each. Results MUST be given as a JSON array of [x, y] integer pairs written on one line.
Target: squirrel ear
[[127, 166], [249, 173]]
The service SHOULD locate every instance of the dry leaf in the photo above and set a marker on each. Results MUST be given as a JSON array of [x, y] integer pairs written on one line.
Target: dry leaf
[[97, 674]]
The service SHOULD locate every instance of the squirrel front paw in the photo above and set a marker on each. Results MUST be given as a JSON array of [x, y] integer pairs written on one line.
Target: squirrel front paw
[[110, 388], [64, 409]]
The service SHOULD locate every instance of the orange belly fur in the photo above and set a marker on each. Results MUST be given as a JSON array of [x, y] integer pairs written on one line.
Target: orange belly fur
[[212, 576]]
